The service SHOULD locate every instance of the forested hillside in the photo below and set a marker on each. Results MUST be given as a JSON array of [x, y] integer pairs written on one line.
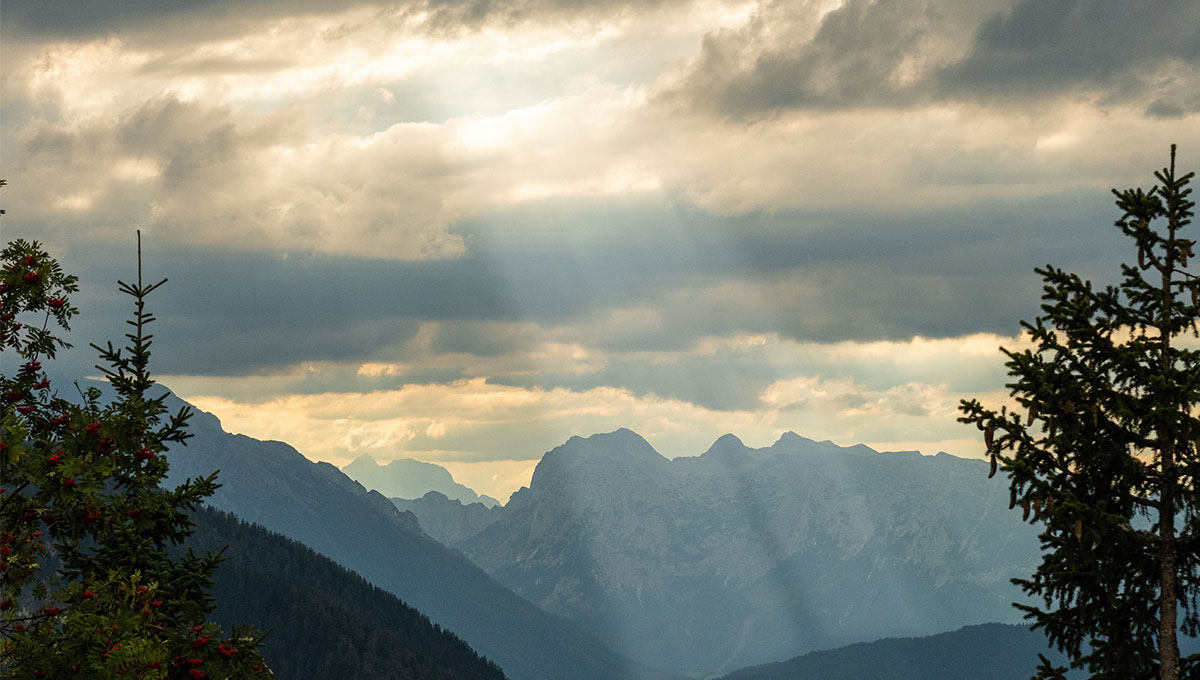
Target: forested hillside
[[326, 622]]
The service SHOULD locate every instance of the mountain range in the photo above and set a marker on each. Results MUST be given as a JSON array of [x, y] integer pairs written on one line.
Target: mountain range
[[742, 556], [699, 565], [449, 520], [272, 484], [408, 478]]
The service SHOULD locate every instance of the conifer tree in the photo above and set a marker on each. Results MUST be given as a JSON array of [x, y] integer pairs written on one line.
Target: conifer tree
[[89, 587], [1100, 448]]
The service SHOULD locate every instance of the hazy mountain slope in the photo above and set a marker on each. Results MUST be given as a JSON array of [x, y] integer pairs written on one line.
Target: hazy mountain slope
[[271, 484], [990, 651], [407, 478], [325, 621], [448, 520], [741, 556], [984, 652]]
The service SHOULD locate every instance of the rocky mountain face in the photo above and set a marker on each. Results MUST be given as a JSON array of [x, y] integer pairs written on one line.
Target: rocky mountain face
[[449, 520], [744, 556], [272, 484], [407, 478]]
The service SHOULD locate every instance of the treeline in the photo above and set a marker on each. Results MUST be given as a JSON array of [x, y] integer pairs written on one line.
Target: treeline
[[325, 621]]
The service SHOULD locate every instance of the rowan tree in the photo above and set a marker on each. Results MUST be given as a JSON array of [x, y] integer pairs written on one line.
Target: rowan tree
[[1100, 449], [90, 587]]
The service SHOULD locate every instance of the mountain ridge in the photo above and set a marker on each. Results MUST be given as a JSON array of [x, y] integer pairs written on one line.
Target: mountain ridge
[[448, 520], [275, 583], [273, 485], [738, 556], [409, 478]]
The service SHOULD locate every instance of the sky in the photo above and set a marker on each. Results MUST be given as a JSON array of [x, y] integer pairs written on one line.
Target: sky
[[462, 231]]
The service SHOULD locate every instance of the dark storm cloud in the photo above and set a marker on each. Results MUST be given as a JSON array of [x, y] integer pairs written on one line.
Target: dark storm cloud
[[165, 22], [804, 277], [807, 277], [898, 53], [235, 313], [1119, 49], [851, 60], [83, 20], [719, 383]]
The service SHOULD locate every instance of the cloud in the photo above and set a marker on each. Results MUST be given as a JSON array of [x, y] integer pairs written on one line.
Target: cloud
[[671, 209], [305, 155], [476, 422], [555, 290], [161, 23], [207, 175], [495, 478], [826, 56], [902, 54], [66, 19], [1111, 49]]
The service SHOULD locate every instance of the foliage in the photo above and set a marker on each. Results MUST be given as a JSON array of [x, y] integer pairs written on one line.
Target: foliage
[[325, 620], [1106, 456], [90, 589]]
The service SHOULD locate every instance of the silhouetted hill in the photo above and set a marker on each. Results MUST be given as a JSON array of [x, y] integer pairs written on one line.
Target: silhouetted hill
[[986, 652], [325, 621]]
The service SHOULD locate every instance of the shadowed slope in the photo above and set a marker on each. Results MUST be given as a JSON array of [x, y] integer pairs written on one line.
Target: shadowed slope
[[272, 484], [325, 621]]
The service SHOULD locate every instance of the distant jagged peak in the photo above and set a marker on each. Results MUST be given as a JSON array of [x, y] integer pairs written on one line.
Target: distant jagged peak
[[621, 444], [790, 442], [727, 441], [408, 478], [790, 438], [365, 460], [621, 434], [727, 446], [439, 498], [942, 455], [200, 420]]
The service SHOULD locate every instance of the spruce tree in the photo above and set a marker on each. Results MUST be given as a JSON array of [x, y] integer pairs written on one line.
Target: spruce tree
[[1100, 446], [90, 585]]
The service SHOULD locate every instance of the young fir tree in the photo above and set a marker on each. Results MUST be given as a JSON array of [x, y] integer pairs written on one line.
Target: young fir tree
[[89, 589], [1105, 457]]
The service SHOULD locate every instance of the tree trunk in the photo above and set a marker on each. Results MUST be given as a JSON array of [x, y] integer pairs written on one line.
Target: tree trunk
[[1168, 644]]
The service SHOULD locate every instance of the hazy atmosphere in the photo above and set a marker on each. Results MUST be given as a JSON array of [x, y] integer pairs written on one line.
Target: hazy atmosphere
[[462, 232]]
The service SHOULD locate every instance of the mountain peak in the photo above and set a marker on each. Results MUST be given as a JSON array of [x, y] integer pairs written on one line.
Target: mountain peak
[[408, 478], [621, 433], [365, 460], [790, 438], [726, 445], [623, 445], [728, 439]]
